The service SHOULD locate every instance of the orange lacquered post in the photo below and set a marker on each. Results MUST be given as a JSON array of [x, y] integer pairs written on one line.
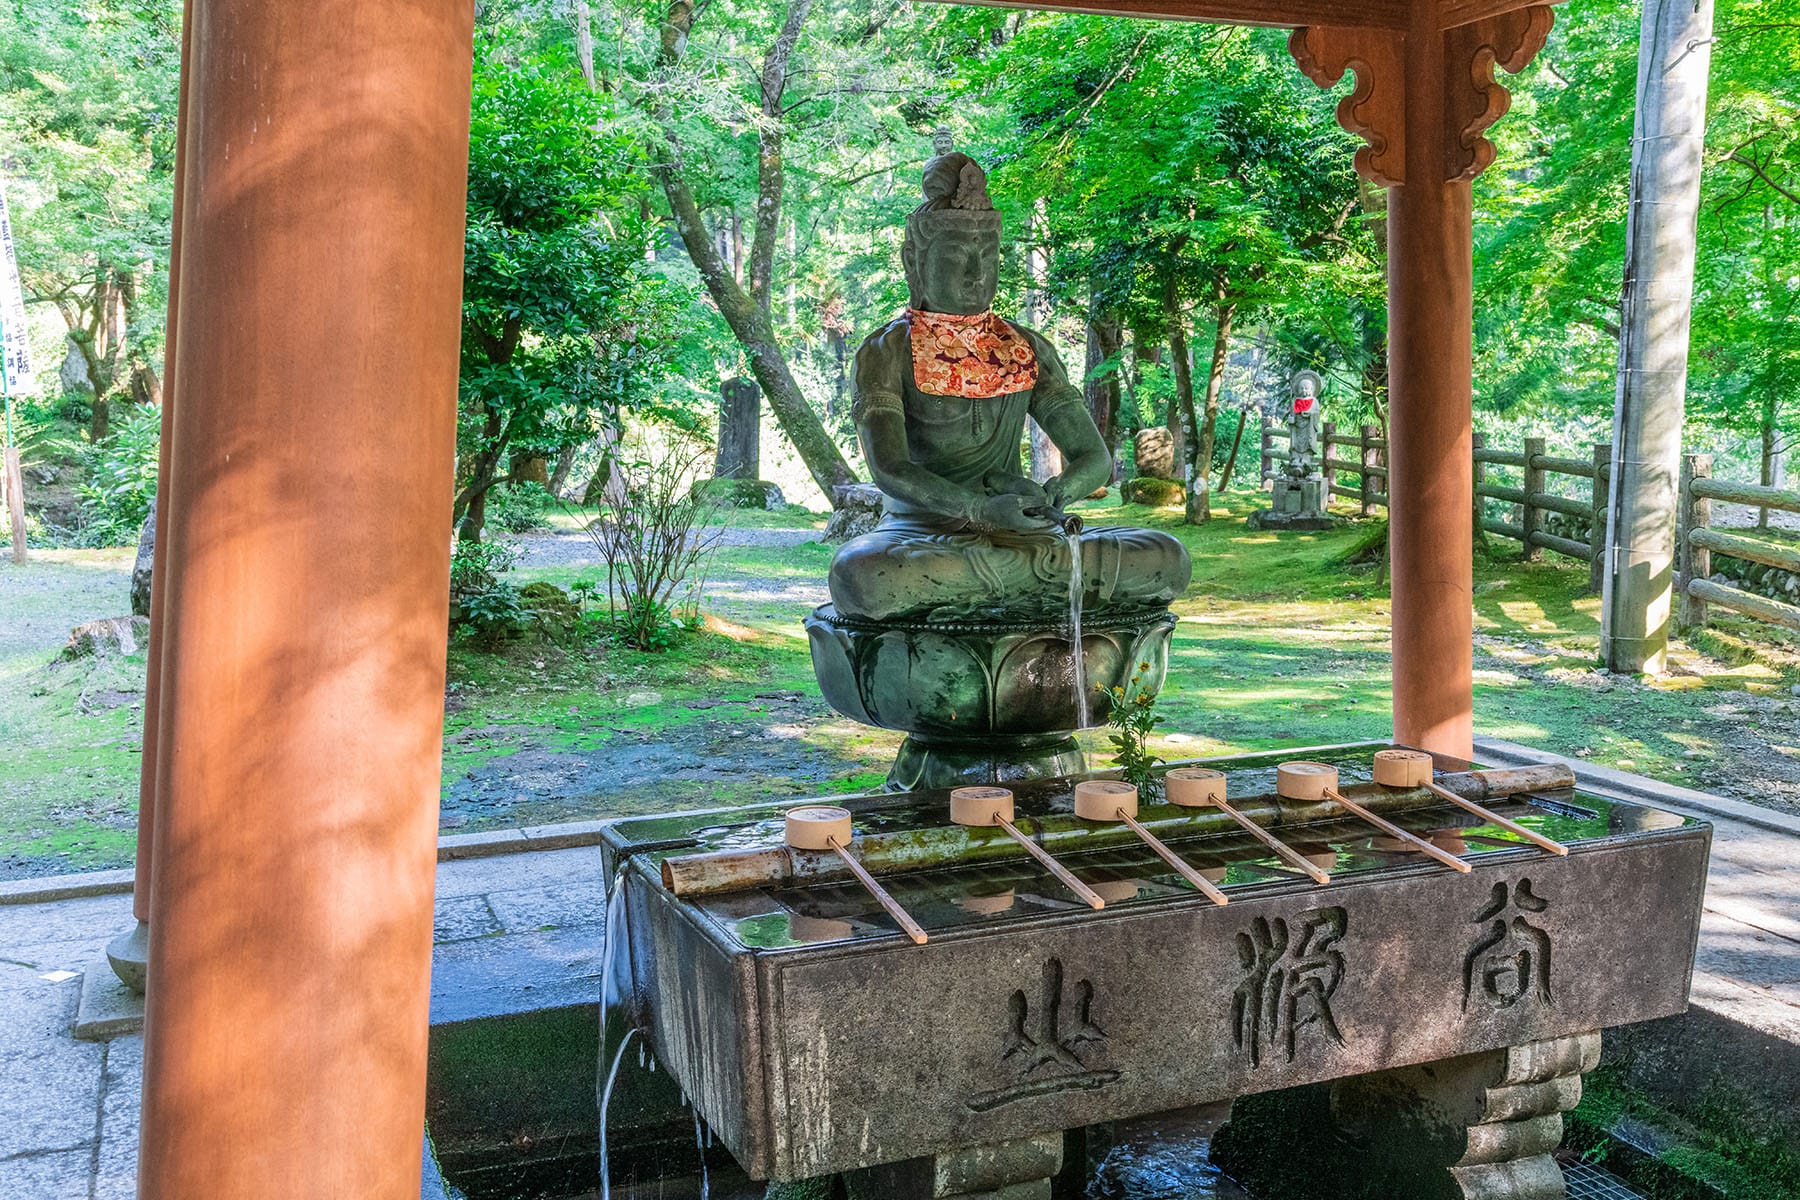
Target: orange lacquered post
[[304, 592]]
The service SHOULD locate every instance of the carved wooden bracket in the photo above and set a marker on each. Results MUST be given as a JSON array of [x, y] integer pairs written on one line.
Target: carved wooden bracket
[[1510, 41], [1378, 108]]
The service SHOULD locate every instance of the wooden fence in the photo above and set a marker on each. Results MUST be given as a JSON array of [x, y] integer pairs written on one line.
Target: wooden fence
[[1696, 542], [1533, 502], [1532, 499]]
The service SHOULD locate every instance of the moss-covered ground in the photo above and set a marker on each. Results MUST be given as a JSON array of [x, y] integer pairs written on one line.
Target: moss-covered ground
[[1280, 643]]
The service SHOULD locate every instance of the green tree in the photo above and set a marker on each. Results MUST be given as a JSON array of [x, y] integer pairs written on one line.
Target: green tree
[[565, 322], [87, 119]]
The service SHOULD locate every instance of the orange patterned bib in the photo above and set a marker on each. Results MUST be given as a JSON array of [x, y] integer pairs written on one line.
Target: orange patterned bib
[[975, 357]]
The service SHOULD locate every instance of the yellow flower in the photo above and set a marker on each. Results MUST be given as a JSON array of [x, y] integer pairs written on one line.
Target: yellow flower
[[1143, 666], [1118, 693]]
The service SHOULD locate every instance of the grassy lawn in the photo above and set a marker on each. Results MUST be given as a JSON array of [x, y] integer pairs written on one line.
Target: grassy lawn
[[1280, 643]]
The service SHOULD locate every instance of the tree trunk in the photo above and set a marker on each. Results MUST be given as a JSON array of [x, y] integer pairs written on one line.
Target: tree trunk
[[1101, 383], [1231, 459], [1770, 454], [1674, 54], [1046, 459], [1181, 408], [1199, 477], [747, 315], [584, 42], [559, 475]]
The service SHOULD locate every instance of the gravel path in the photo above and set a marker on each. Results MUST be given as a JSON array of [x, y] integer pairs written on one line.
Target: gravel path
[[578, 550]]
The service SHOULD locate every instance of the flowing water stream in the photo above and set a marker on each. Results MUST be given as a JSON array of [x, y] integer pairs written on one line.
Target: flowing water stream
[[1077, 656]]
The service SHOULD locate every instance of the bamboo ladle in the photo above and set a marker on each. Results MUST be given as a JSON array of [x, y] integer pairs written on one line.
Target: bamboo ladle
[[1313, 781], [1201, 787], [827, 827], [1412, 768], [1111, 800], [994, 806]]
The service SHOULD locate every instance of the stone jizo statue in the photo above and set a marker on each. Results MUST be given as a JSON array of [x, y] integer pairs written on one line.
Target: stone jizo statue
[[1301, 489], [941, 396]]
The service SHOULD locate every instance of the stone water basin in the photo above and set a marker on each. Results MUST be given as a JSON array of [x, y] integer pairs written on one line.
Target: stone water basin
[[813, 1038]]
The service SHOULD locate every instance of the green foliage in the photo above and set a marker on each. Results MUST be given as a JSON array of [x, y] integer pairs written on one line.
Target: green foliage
[[565, 323], [520, 507], [476, 566], [120, 483], [493, 613], [1131, 715], [87, 119], [656, 545]]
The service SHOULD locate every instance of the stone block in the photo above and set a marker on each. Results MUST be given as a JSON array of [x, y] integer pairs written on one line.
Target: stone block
[[116, 1174], [52, 1175], [856, 510], [1154, 452], [50, 1096], [108, 1008], [559, 907], [460, 917]]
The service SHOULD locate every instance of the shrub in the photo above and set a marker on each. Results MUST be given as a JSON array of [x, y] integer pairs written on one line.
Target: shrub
[[1131, 714], [477, 566], [519, 507], [656, 546], [120, 483]]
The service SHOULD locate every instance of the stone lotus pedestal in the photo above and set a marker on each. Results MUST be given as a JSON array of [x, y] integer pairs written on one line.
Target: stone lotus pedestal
[[982, 701]]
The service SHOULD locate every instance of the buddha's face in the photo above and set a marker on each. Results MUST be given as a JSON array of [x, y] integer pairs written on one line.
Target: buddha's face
[[958, 271]]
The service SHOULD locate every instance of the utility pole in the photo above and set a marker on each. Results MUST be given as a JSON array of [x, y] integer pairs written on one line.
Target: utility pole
[[1637, 604]]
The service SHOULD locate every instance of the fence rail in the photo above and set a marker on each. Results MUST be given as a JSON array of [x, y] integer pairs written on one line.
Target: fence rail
[[1531, 500], [1696, 542]]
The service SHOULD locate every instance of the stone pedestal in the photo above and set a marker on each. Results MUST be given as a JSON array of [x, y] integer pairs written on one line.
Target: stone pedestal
[[1021, 1169], [1296, 504], [981, 701], [1477, 1127]]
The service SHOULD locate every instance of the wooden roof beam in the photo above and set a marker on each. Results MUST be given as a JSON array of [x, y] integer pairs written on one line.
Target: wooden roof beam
[[1280, 14]]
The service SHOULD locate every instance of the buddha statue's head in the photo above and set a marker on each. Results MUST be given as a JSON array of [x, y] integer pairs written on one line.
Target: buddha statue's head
[[952, 247]]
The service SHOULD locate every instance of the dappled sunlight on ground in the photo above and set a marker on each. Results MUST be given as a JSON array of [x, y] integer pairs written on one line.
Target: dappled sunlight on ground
[[1279, 642]]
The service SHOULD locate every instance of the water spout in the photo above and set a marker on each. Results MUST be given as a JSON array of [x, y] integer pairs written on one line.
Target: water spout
[[1077, 656], [615, 988]]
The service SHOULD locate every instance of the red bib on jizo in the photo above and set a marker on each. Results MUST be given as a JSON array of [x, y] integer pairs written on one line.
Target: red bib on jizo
[[975, 357]]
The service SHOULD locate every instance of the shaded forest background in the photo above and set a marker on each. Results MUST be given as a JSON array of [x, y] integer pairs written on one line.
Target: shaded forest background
[[667, 195]]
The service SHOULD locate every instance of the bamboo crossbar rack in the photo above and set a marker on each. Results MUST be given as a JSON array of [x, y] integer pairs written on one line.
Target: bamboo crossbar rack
[[948, 845]]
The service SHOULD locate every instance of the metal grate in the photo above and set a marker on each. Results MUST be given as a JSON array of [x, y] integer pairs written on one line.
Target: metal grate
[[1588, 1182]]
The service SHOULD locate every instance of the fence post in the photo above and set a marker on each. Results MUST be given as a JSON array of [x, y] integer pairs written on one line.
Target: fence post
[[1597, 527], [1692, 562], [1268, 444], [1369, 433], [1478, 474], [1327, 431], [1531, 517]]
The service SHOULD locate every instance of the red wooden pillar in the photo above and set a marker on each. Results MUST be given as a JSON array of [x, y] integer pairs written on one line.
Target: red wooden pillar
[[1423, 98], [304, 545], [129, 952]]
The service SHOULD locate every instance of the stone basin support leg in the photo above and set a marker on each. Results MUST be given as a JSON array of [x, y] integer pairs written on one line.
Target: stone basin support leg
[[1022, 1169], [1478, 1127]]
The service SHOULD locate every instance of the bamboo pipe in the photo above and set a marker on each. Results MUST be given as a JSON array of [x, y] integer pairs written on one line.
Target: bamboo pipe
[[826, 827], [719, 872], [1310, 781], [1198, 787], [1106, 799], [1412, 768]]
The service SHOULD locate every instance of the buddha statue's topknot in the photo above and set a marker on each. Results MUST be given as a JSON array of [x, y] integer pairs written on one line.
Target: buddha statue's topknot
[[956, 198]]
